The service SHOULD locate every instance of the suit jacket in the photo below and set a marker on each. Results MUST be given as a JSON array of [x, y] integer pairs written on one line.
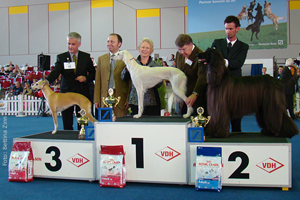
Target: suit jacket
[[122, 88], [236, 57], [196, 76], [289, 80], [68, 83]]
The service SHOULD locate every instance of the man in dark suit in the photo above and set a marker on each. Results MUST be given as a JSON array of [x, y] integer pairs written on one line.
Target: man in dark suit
[[234, 52], [77, 70], [288, 78], [187, 61]]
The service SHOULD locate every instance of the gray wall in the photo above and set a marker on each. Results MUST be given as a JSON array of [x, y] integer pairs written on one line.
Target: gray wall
[[24, 36]]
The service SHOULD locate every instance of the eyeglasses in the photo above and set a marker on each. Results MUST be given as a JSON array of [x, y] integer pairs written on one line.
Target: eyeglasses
[[183, 49]]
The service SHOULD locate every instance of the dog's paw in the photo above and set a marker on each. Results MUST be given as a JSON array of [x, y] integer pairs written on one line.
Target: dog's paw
[[53, 132], [136, 116]]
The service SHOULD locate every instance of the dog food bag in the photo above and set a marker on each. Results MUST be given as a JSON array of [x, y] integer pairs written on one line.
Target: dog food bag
[[20, 166], [112, 166], [208, 168]]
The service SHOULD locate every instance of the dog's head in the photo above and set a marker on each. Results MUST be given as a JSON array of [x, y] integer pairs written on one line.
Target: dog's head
[[214, 61], [119, 55], [267, 5], [123, 55], [244, 8], [258, 7], [39, 85], [252, 3]]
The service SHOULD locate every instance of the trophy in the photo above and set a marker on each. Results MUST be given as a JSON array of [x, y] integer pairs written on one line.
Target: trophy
[[111, 101], [200, 121], [82, 121]]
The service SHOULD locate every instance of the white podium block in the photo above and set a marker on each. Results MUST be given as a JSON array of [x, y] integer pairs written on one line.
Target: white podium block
[[250, 164], [63, 157], [155, 152]]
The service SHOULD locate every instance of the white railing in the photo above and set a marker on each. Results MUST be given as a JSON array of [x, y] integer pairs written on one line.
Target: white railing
[[23, 105]]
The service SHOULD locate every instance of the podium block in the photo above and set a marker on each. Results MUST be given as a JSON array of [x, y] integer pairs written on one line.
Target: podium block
[[155, 149], [62, 155], [250, 159]]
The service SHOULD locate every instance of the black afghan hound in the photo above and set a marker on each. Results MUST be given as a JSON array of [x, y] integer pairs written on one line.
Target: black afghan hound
[[230, 97]]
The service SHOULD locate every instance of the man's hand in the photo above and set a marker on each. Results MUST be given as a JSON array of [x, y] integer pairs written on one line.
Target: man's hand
[[97, 105], [80, 78], [127, 105], [191, 100]]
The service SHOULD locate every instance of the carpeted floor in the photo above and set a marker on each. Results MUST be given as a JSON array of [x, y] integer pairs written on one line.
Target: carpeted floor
[[71, 189]]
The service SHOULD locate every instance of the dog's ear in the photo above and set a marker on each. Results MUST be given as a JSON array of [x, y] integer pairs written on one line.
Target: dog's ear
[[44, 82]]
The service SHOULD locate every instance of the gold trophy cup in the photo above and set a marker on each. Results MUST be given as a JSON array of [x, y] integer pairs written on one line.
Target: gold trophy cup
[[200, 121], [82, 121], [111, 101]]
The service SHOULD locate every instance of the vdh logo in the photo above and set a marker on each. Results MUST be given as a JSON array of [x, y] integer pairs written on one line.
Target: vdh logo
[[270, 165], [78, 160], [167, 153]]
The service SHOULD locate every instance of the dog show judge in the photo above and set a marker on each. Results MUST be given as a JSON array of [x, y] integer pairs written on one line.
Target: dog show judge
[[77, 70], [108, 75], [187, 61], [234, 52]]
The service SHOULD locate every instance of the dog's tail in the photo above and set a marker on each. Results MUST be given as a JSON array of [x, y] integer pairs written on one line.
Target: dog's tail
[[289, 128]]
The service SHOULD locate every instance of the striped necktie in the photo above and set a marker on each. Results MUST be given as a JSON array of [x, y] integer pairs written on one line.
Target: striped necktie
[[75, 60], [112, 69]]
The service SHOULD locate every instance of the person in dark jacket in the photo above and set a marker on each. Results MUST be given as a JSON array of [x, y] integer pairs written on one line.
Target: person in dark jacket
[[288, 79]]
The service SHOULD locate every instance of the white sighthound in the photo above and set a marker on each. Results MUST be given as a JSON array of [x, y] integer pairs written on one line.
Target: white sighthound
[[144, 77]]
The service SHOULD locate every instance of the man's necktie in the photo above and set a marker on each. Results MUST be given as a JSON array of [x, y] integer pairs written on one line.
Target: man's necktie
[[75, 61], [229, 46], [111, 77]]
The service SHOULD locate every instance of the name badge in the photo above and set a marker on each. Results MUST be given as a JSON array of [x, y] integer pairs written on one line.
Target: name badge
[[189, 62], [69, 65]]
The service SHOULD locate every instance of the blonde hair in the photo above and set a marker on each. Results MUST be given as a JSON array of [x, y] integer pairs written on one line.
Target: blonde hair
[[149, 41]]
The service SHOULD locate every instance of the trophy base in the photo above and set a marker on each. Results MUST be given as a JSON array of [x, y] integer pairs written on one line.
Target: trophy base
[[81, 136]]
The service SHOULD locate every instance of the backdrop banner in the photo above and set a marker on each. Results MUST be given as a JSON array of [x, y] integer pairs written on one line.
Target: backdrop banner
[[263, 23]]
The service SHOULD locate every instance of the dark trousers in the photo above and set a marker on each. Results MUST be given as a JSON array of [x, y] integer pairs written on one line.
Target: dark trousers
[[289, 104], [236, 125], [67, 117], [148, 110]]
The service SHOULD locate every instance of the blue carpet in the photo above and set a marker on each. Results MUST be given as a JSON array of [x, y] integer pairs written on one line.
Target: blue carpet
[[69, 189]]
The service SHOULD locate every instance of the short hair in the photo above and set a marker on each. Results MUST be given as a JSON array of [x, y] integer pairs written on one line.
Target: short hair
[[147, 40], [183, 39], [264, 68], [234, 19], [280, 66], [289, 62], [118, 36], [75, 35]]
